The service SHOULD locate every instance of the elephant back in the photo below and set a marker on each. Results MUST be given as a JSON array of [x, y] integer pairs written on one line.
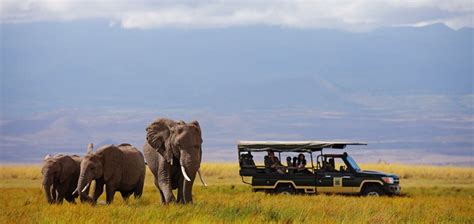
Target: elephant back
[[76, 159], [133, 163], [130, 150]]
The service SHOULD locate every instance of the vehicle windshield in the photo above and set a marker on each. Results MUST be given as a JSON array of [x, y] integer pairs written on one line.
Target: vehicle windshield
[[353, 163]]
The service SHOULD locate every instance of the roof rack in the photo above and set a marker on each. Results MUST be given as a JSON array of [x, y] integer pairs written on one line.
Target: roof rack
[[291, 146]]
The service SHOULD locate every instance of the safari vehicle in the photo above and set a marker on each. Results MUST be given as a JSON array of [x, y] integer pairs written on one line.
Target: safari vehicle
[[324, 177]]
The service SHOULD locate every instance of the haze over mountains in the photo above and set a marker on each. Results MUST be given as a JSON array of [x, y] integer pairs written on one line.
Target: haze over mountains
[[408, 91]]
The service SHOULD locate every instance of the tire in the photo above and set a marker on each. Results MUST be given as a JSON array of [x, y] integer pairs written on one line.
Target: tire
[[286, 190], [373, 191]]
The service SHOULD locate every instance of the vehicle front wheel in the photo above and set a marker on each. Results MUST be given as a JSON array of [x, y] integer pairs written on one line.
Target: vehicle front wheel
[[287, 190], [373, 191]]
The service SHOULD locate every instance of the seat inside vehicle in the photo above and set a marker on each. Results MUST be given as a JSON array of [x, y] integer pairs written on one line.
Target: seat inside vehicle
[[247, 165]]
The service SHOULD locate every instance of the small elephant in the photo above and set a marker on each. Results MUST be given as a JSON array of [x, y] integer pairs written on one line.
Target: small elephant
[[60, 175], [120, 168], [173, 153]]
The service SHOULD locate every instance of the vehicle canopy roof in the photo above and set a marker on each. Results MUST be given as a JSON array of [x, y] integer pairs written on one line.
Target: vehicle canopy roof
[[291, 146]]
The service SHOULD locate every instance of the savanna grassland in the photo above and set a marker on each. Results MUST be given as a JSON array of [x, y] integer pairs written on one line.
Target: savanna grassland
[[430, 195]]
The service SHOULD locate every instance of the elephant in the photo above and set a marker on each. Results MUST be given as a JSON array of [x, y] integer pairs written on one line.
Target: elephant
[[60, 175], [120, 168], [173, 153]]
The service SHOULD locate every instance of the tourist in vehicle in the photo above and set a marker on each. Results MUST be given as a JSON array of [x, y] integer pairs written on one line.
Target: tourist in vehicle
[[329, 165], [290, 165], [288, 162], [274, 163], [301, 165]]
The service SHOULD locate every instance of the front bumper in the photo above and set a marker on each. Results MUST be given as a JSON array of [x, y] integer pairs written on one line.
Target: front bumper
[[392, 189]]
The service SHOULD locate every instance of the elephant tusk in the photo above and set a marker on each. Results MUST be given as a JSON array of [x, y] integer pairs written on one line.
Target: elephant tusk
[[85, 188], [202, 180], [75, 191], [184, 174]]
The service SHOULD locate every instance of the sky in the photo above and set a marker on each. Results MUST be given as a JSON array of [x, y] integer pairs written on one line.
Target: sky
[[357, 15], [395, 74]]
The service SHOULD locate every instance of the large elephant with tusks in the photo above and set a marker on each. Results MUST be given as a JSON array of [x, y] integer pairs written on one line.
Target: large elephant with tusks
[[173, 153]]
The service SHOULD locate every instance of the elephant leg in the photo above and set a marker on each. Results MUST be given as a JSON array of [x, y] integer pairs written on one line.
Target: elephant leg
[[85, 196], [109, 193], [62, 190], [188, 188], [181, 190], [70, 199], [60, 198], [166, 191], [99, 188], [162, 197], [137, 193], [125, 195], [164, 182], [188, 191], [54, 194]]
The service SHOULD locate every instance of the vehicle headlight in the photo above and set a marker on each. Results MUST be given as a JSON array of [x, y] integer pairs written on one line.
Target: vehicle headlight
[[388, 180]]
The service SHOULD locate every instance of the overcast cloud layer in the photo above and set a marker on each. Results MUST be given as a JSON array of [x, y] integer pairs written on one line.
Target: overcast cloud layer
[[356, 15]]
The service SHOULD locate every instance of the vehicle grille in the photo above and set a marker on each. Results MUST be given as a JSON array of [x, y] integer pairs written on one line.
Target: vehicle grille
[[396, 180]]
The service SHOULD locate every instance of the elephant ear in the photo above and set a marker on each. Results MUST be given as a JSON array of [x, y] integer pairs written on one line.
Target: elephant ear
[[196, 123], [112, 159], [157, 134]]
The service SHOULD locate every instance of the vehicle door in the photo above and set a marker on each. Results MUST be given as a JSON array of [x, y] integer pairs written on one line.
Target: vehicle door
[[335, 180], [304, 180]]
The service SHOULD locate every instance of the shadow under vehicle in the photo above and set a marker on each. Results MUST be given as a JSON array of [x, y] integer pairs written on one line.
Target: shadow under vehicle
[[324, 177]]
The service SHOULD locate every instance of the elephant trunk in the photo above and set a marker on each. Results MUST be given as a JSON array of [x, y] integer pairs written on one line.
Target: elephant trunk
[[82, 185], [188, 189], [47, 191], [189, 174], [48, 187], [190, 161]]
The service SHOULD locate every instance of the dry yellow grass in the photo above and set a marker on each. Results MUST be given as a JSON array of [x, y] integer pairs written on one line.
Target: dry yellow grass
[[433, 195], [20, 171]]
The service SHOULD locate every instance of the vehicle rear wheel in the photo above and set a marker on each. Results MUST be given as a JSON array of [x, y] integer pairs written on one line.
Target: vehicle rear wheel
[[287, 190], [373, 191]]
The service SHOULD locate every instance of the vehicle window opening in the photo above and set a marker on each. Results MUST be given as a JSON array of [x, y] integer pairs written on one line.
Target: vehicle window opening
[[339, 165]]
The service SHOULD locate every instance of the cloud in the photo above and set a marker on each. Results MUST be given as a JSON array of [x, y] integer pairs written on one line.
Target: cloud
[[357, 15]]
